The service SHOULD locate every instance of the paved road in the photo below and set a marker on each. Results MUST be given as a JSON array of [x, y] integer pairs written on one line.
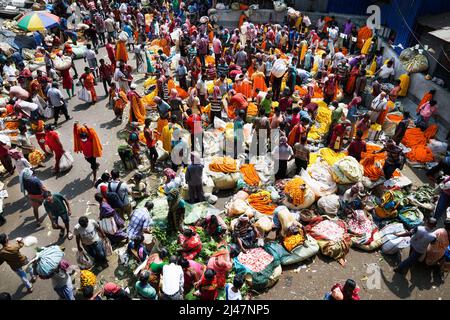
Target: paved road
[[76, 185]]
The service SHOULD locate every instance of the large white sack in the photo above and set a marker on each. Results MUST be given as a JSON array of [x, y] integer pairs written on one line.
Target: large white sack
[[329, 204], [279, 68]]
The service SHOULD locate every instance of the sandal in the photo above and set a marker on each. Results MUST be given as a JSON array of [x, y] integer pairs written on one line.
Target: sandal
[[30, 290], [69, 235], [61, 233]]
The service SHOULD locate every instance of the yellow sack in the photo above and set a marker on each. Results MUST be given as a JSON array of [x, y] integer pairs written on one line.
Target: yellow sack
[[329, 155], [149, 82]]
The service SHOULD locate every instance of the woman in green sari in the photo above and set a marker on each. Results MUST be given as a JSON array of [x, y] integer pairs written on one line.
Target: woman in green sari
[[150, 68], [155, 264]]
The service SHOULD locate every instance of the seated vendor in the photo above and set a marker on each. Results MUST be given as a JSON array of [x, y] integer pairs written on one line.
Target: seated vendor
[[244, 233], [283, 219], [190, 242], [137, 249], [214, 226], [138, 187], [356, 192]]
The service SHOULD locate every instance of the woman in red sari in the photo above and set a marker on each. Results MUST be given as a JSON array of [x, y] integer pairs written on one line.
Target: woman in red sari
[[207, 286], [54, 143], [37, 127], [337, 136], [67, 82], [191, 245], [350, 87]]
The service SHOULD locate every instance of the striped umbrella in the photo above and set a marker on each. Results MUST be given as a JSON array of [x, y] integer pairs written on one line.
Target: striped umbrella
[[38, 20]]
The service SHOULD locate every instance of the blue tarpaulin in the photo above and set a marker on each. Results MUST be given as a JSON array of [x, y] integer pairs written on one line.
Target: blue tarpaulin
[[17, 41]]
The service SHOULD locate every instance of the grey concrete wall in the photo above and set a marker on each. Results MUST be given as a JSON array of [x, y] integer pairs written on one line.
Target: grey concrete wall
[[230, 18], [310, 5]]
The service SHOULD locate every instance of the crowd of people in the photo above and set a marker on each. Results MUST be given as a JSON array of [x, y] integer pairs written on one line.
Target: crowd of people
[[201, 73]]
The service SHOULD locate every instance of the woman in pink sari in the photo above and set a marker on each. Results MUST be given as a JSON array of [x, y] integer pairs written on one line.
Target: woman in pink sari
[[221, 263], [190, 242], [192, 271], [437, 249]]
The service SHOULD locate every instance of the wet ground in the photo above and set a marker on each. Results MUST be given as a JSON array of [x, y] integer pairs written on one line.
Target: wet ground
[[310, 282]]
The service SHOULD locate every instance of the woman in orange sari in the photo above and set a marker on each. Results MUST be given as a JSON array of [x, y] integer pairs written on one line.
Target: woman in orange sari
[[295, 134], [259, 82], [382, 117], [251, 69], [35, 87], [221, 263], [363, 34], [191, 245], [88, 81], [137, 109], [426, 98], [244, 86], [165, 44], [121, 51]]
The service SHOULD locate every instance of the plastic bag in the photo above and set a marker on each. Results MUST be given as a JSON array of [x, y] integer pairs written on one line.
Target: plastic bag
[[66, 161], [84, 261], [84, 95], [219, 123], [224, 181], [48, 113]]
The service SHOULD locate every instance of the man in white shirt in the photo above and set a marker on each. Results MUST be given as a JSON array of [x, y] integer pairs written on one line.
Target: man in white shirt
[[377, 106], [333, 33], [338, 58], [202, 89], [56, 101], [110, 27], [172, 281], [386, 72], [10, 72], [243, 34]]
